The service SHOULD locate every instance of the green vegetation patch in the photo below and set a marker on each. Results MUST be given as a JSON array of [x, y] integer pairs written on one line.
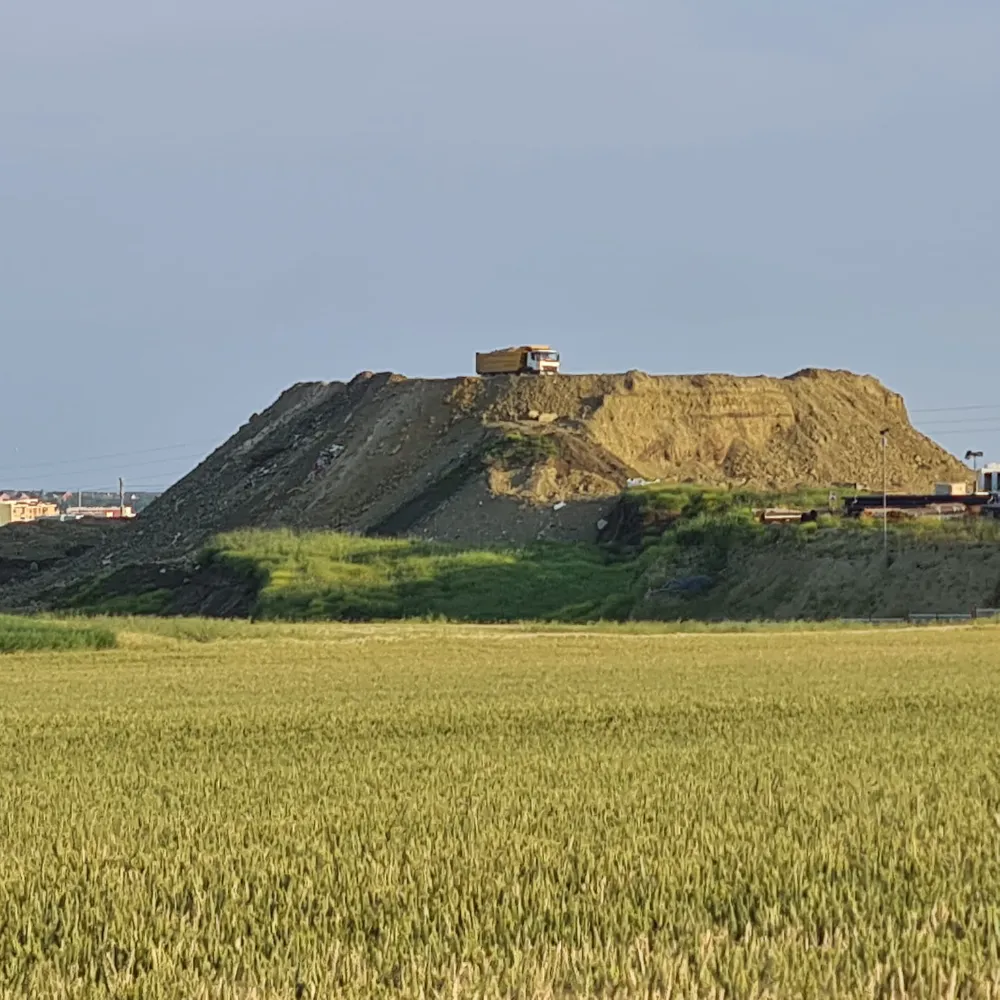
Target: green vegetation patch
[[18, 635], [323, 575], [655, 509], [690, 498], [713, 560], [515, 450], [94, 601], [671, 552]]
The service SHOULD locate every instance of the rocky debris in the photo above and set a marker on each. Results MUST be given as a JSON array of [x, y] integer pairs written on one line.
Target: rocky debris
[[27, 549], [325, 459]]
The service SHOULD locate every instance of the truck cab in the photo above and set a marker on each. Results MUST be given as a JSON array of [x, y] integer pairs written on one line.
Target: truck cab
[[541, 360]]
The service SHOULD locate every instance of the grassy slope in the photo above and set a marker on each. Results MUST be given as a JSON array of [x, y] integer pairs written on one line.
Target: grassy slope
[[322, 575], [405, 811], [817, 572], [822, 570], [676, 497]]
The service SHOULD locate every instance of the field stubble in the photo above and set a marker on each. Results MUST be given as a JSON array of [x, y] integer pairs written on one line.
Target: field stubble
[[428, 810]]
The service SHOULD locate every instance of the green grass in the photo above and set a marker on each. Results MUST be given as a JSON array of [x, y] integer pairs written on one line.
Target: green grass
[[820, 570], [91, 600], [514, 450], [323, 575], [833, 567], [691, 499], [812, 571], [206, 630], [756, 571], [37, 634], [190, 629], [410, 811]]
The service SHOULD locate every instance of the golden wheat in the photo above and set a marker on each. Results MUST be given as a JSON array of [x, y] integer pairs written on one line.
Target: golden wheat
[[417, 811]]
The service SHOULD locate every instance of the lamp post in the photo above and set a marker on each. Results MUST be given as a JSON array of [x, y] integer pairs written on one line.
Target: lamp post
[[885, 493], [975, 456]]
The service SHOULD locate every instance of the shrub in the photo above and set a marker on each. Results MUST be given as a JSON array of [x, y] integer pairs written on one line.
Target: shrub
[[515, 450], [19, 635]]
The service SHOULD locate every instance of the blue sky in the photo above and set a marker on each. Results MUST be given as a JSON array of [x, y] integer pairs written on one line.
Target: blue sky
[[203, 203]]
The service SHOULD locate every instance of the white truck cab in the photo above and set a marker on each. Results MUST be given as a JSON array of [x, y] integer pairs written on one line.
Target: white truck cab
[[542, 361]]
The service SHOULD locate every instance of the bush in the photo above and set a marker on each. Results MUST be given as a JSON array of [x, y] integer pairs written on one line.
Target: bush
[[515, 450], [19, 635]]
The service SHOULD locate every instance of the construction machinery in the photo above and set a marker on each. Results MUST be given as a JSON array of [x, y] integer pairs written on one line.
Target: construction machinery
[[532, 359]]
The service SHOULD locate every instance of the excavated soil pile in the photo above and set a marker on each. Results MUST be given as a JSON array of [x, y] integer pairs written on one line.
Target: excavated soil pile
[[490, 460], [26, 549], [815, 427]]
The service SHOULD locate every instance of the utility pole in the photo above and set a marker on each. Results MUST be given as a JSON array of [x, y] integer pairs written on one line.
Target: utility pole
[[121, 497], [975, 456], [885, 493]]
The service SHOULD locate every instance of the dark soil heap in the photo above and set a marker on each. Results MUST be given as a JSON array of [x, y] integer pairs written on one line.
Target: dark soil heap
[[488, 460], [26, 549]]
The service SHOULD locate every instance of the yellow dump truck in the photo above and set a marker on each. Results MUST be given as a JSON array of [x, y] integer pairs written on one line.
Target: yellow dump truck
[[529, 360]]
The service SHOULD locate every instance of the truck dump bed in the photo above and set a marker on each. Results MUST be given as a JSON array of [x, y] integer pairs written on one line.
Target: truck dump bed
[[510, 359]]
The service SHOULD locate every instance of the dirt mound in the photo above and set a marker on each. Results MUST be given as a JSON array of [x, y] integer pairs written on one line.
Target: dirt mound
[[812, 428], [483, 460], [26, 549], [382, 453]]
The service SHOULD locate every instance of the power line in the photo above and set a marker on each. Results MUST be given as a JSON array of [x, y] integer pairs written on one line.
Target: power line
[[91, 471], [165, 461], [98, 458], [953, 409], [961, 423], [969, 430], [991, 420]]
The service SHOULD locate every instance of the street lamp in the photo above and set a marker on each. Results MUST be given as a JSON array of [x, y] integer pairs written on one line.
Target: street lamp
[[975, 456], [885, 493]]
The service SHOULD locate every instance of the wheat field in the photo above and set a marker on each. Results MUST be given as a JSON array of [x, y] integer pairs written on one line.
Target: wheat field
[[430, 810]]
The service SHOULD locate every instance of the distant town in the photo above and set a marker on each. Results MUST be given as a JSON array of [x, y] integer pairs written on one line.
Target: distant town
[[22, 507]]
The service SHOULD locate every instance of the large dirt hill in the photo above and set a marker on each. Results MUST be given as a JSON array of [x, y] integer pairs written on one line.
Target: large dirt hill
[[386, 454], [484, 460]]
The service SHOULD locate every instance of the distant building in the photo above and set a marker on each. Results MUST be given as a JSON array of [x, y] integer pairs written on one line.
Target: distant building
[[101, 512], [951, 489], [23, 509], [989, 478]]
